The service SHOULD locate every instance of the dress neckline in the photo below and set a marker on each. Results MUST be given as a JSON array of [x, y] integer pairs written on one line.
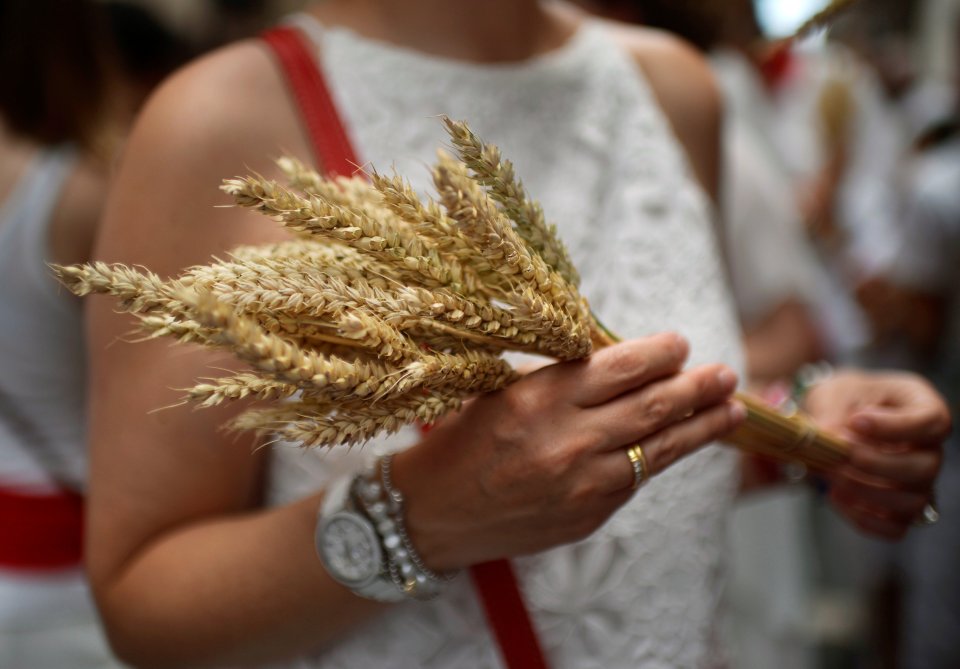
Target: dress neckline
[[571, 51]]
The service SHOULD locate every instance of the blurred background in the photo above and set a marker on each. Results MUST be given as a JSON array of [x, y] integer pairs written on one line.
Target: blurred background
[[841, 224]]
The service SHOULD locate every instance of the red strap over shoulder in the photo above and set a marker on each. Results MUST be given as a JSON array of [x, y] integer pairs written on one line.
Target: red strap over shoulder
[[495, 581], [507, 615], [331, 145]]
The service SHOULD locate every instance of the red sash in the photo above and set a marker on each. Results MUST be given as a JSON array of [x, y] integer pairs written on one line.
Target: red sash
[[40, 531], [495, 582]]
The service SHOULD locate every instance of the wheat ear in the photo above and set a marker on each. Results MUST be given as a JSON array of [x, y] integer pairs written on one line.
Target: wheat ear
[[350, 423], [393, 245], [497, 174]]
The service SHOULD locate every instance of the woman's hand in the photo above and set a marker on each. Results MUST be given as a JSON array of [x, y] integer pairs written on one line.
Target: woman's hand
[[543, 462], [897, 423]]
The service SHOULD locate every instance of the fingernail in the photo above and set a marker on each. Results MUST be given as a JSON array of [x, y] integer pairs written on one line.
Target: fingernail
[[681, 346], [737, 412], [727, 379]]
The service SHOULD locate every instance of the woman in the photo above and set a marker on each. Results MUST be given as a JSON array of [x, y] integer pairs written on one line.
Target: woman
[[201, 551]]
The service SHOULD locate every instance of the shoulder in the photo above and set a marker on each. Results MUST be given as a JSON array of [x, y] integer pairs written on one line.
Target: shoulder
[[679, 74], [233, 97], [686, 89], [226, 114]]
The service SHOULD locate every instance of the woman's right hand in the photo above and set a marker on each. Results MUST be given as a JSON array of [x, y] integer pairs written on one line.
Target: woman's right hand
[[543, 462]]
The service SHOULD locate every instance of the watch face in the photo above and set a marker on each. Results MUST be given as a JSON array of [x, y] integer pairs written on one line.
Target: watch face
[[349, 548]]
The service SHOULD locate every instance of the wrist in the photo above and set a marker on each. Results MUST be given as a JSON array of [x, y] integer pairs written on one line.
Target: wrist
[[438, 541], [363, 542], [349, 545], [407, 565]]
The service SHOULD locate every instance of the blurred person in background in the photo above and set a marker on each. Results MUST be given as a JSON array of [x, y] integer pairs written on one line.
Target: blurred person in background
[[914, 307], [910, 298], [801, 147], [75, 73]]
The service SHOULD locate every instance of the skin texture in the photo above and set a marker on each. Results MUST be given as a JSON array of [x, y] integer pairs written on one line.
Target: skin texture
[[187, 566]]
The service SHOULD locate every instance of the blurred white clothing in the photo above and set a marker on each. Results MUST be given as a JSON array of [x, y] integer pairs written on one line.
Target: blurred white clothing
[[769, 255], [769, 251], [47, 617], [42, 388]]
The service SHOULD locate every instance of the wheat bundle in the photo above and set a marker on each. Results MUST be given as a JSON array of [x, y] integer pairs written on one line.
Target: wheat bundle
[[386, 308]]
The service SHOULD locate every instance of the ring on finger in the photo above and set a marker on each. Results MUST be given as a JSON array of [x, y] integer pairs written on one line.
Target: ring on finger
[[929, 516], [641, 472]]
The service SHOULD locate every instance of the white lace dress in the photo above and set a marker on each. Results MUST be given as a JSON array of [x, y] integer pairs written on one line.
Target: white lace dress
[[590, 142]]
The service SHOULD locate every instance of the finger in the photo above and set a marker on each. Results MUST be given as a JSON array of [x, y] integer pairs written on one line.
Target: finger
[[662, 449], [615, 469], [923, 422], [904, 505], [662, 403], [915, 469], [873, 523], [618, 369]]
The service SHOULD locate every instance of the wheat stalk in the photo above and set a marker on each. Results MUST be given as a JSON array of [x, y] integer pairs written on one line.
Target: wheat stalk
[[824, 17]]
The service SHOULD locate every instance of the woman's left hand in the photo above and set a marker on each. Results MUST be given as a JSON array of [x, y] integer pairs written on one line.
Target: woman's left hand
[[897, 424]]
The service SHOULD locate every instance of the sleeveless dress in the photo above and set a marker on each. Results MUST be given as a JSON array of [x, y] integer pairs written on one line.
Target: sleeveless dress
[[586, 135], [47, 617], [42, 388]]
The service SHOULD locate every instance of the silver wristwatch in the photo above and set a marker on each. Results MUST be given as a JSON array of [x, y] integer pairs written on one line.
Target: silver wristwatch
[[350, 548]]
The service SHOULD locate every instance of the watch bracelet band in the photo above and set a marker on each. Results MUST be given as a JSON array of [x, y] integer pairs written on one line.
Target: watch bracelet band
[[396, 497], [373, 490]]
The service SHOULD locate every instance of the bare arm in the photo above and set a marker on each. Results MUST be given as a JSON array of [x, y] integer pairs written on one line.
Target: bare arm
[[175, 529]]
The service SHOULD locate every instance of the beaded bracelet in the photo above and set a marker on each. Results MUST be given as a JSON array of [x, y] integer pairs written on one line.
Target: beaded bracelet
[[396, 497], [383, 504]]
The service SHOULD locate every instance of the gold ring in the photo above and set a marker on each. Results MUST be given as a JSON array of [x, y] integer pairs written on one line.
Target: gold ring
[[639, 463]]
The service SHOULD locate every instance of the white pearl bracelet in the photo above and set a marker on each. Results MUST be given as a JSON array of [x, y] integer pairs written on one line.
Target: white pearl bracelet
[[383, 504]]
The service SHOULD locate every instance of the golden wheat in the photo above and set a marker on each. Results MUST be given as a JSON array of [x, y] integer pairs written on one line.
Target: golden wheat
[[387, 308]]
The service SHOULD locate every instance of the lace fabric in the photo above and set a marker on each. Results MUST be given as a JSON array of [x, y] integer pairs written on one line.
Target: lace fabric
[[644, 589]]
